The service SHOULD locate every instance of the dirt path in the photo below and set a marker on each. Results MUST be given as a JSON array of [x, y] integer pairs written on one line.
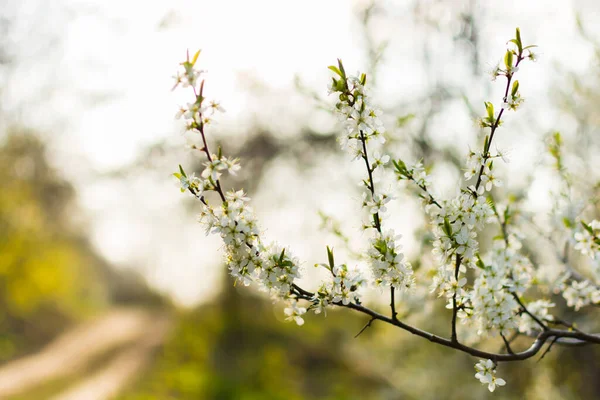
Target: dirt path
[[134, 333]]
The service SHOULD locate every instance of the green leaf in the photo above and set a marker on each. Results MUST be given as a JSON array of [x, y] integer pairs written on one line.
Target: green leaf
[[588, 228], [195, 58], [557, 138], [490, 201], [363, 79], [177, 175], [182, 171], [330, 257], [507, 214], [403, 120], [343, 72], [400, 167], [515, 88], [489, 107], [447, 227], [479, 262], [508, 59], [519, 42], [336, 70]]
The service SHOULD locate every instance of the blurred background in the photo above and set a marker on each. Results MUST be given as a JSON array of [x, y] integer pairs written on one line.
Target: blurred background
[[110, 289]]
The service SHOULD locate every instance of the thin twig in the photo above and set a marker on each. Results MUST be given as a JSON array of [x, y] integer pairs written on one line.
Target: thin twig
[[526, 311], [368, 324], [548, 349], [507, 343], [454, 336]]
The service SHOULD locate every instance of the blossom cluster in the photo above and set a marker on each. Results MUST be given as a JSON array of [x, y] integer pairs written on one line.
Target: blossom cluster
[[583, 292], [454, 227], [344, 287], [415, 173], [363, 137], [580, 293], [476, 163], [249, 260], [506, 275], [486, 373], [387, 262], [587, 241], [273, 268], [539, 309]]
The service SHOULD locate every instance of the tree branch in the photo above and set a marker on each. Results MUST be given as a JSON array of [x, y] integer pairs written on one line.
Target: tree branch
[[562, 336]]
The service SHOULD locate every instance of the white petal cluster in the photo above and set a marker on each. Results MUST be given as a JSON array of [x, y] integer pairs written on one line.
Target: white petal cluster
[[187, 75], [195, 185], [344, 287], [513, 101], [359, 119], [587, 240], [293, 312], [271, 267], [199, 112], [455, 225], [376, 204], [539, 308], [508, 274], [580, 294], [488, 178], [419, 175], [218, 165], [363, 125], [249, 260], [486, 373], [387, 262]]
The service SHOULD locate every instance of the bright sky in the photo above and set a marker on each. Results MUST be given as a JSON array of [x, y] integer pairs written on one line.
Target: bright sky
[[111, 95]]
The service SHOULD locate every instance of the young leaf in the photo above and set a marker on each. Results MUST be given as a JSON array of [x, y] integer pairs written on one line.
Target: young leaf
[[519, 42], [447, 227], [182, 171], [343, 72], [479, 262], [515, 88], [330, 257], [490, 110], [508, 60], [195, 57], [282, 255], [588, 228], [336, 70], [363, 79]]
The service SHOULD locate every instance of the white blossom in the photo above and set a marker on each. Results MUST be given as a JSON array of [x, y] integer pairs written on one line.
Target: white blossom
[[580, 294], [294, 312], [486, 373], [539, 308]]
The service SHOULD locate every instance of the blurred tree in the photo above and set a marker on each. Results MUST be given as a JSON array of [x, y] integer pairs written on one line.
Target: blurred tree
[[49, 272]]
